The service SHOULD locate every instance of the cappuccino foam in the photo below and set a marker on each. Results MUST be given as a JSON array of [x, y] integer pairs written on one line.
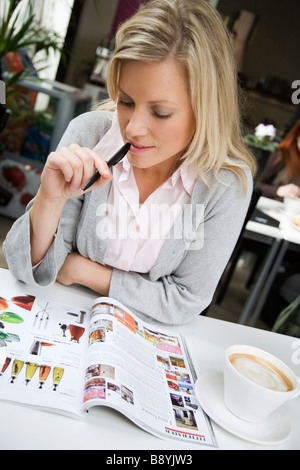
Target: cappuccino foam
[[261, 372]]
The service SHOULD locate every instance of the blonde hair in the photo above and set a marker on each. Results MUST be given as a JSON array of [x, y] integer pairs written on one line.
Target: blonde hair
[[192, 32]]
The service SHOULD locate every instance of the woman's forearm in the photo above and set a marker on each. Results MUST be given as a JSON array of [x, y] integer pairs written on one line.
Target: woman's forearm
[[80, 270], [44, 219], [95, 276]]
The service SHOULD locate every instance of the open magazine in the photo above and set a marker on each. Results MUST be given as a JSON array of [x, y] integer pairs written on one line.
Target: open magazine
[[65, 359]]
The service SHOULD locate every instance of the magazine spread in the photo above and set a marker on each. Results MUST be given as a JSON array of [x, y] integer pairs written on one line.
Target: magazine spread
[[67, 360]]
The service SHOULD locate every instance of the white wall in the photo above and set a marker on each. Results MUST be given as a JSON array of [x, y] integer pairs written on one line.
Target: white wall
[[54, 15]]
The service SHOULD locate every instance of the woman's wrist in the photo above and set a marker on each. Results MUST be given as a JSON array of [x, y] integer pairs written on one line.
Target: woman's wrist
[[97, 277], [55, 203], [80, 270]]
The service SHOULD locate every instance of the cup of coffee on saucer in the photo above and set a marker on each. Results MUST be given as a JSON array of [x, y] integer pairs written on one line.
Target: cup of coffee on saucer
[[256, 383]]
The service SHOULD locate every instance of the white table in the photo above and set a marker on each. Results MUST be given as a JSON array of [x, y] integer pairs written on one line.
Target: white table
[[275, 209], [24, 428], [283, 238]]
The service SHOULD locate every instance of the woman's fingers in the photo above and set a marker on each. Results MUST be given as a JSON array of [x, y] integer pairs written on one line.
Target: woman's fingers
[[92, 161], [77, 165], [58, 162], [84, 164]]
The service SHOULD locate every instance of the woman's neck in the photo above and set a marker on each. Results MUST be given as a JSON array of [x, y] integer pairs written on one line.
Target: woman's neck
[[149, 179]]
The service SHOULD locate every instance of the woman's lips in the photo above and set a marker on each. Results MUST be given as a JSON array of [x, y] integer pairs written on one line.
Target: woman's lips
[[139, 149]]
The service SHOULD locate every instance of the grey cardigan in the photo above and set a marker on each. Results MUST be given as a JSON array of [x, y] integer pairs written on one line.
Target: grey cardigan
[[183, 280]]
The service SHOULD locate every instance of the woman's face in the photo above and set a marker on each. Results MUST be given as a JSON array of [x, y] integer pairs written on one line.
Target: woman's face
[[155, 113]]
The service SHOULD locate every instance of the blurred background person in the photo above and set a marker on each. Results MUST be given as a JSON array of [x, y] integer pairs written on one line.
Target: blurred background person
[[281, 175]]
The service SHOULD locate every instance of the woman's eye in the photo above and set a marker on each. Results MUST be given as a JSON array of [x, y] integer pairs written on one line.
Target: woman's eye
[[156, 113], [161, 115]]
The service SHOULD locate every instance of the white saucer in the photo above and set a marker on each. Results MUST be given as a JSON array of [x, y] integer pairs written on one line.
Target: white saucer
[[273, 430]]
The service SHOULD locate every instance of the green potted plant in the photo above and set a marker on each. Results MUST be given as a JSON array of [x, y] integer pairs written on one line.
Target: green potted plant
[[22, 35], [27, 35], [263, 138]]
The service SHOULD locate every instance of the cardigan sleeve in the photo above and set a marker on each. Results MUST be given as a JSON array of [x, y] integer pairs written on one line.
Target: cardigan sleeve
[[86, 130]]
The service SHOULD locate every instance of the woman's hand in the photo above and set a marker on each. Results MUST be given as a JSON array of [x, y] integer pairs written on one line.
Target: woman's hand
[[291, 190], [67, 170], [80, 270]]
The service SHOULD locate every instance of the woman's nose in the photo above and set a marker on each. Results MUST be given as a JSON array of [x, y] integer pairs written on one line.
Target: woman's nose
[[137, 124]]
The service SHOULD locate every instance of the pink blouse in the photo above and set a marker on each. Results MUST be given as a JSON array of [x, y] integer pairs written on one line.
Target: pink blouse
[[136, 233]]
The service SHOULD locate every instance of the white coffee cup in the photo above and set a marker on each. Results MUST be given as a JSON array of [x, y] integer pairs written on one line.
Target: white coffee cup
[[291, 205], [256, 383]]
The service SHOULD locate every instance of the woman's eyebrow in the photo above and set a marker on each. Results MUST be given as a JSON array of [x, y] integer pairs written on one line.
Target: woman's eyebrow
[[123, 92], [162, 101]]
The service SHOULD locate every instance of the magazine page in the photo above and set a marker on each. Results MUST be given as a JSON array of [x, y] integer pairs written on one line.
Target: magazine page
[[45, 345], [143, 371]]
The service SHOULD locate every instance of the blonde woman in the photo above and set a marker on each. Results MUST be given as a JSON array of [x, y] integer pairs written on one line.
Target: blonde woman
[[157, 230]]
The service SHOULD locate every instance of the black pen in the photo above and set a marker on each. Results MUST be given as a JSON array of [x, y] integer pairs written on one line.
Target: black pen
[[111, 162]]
